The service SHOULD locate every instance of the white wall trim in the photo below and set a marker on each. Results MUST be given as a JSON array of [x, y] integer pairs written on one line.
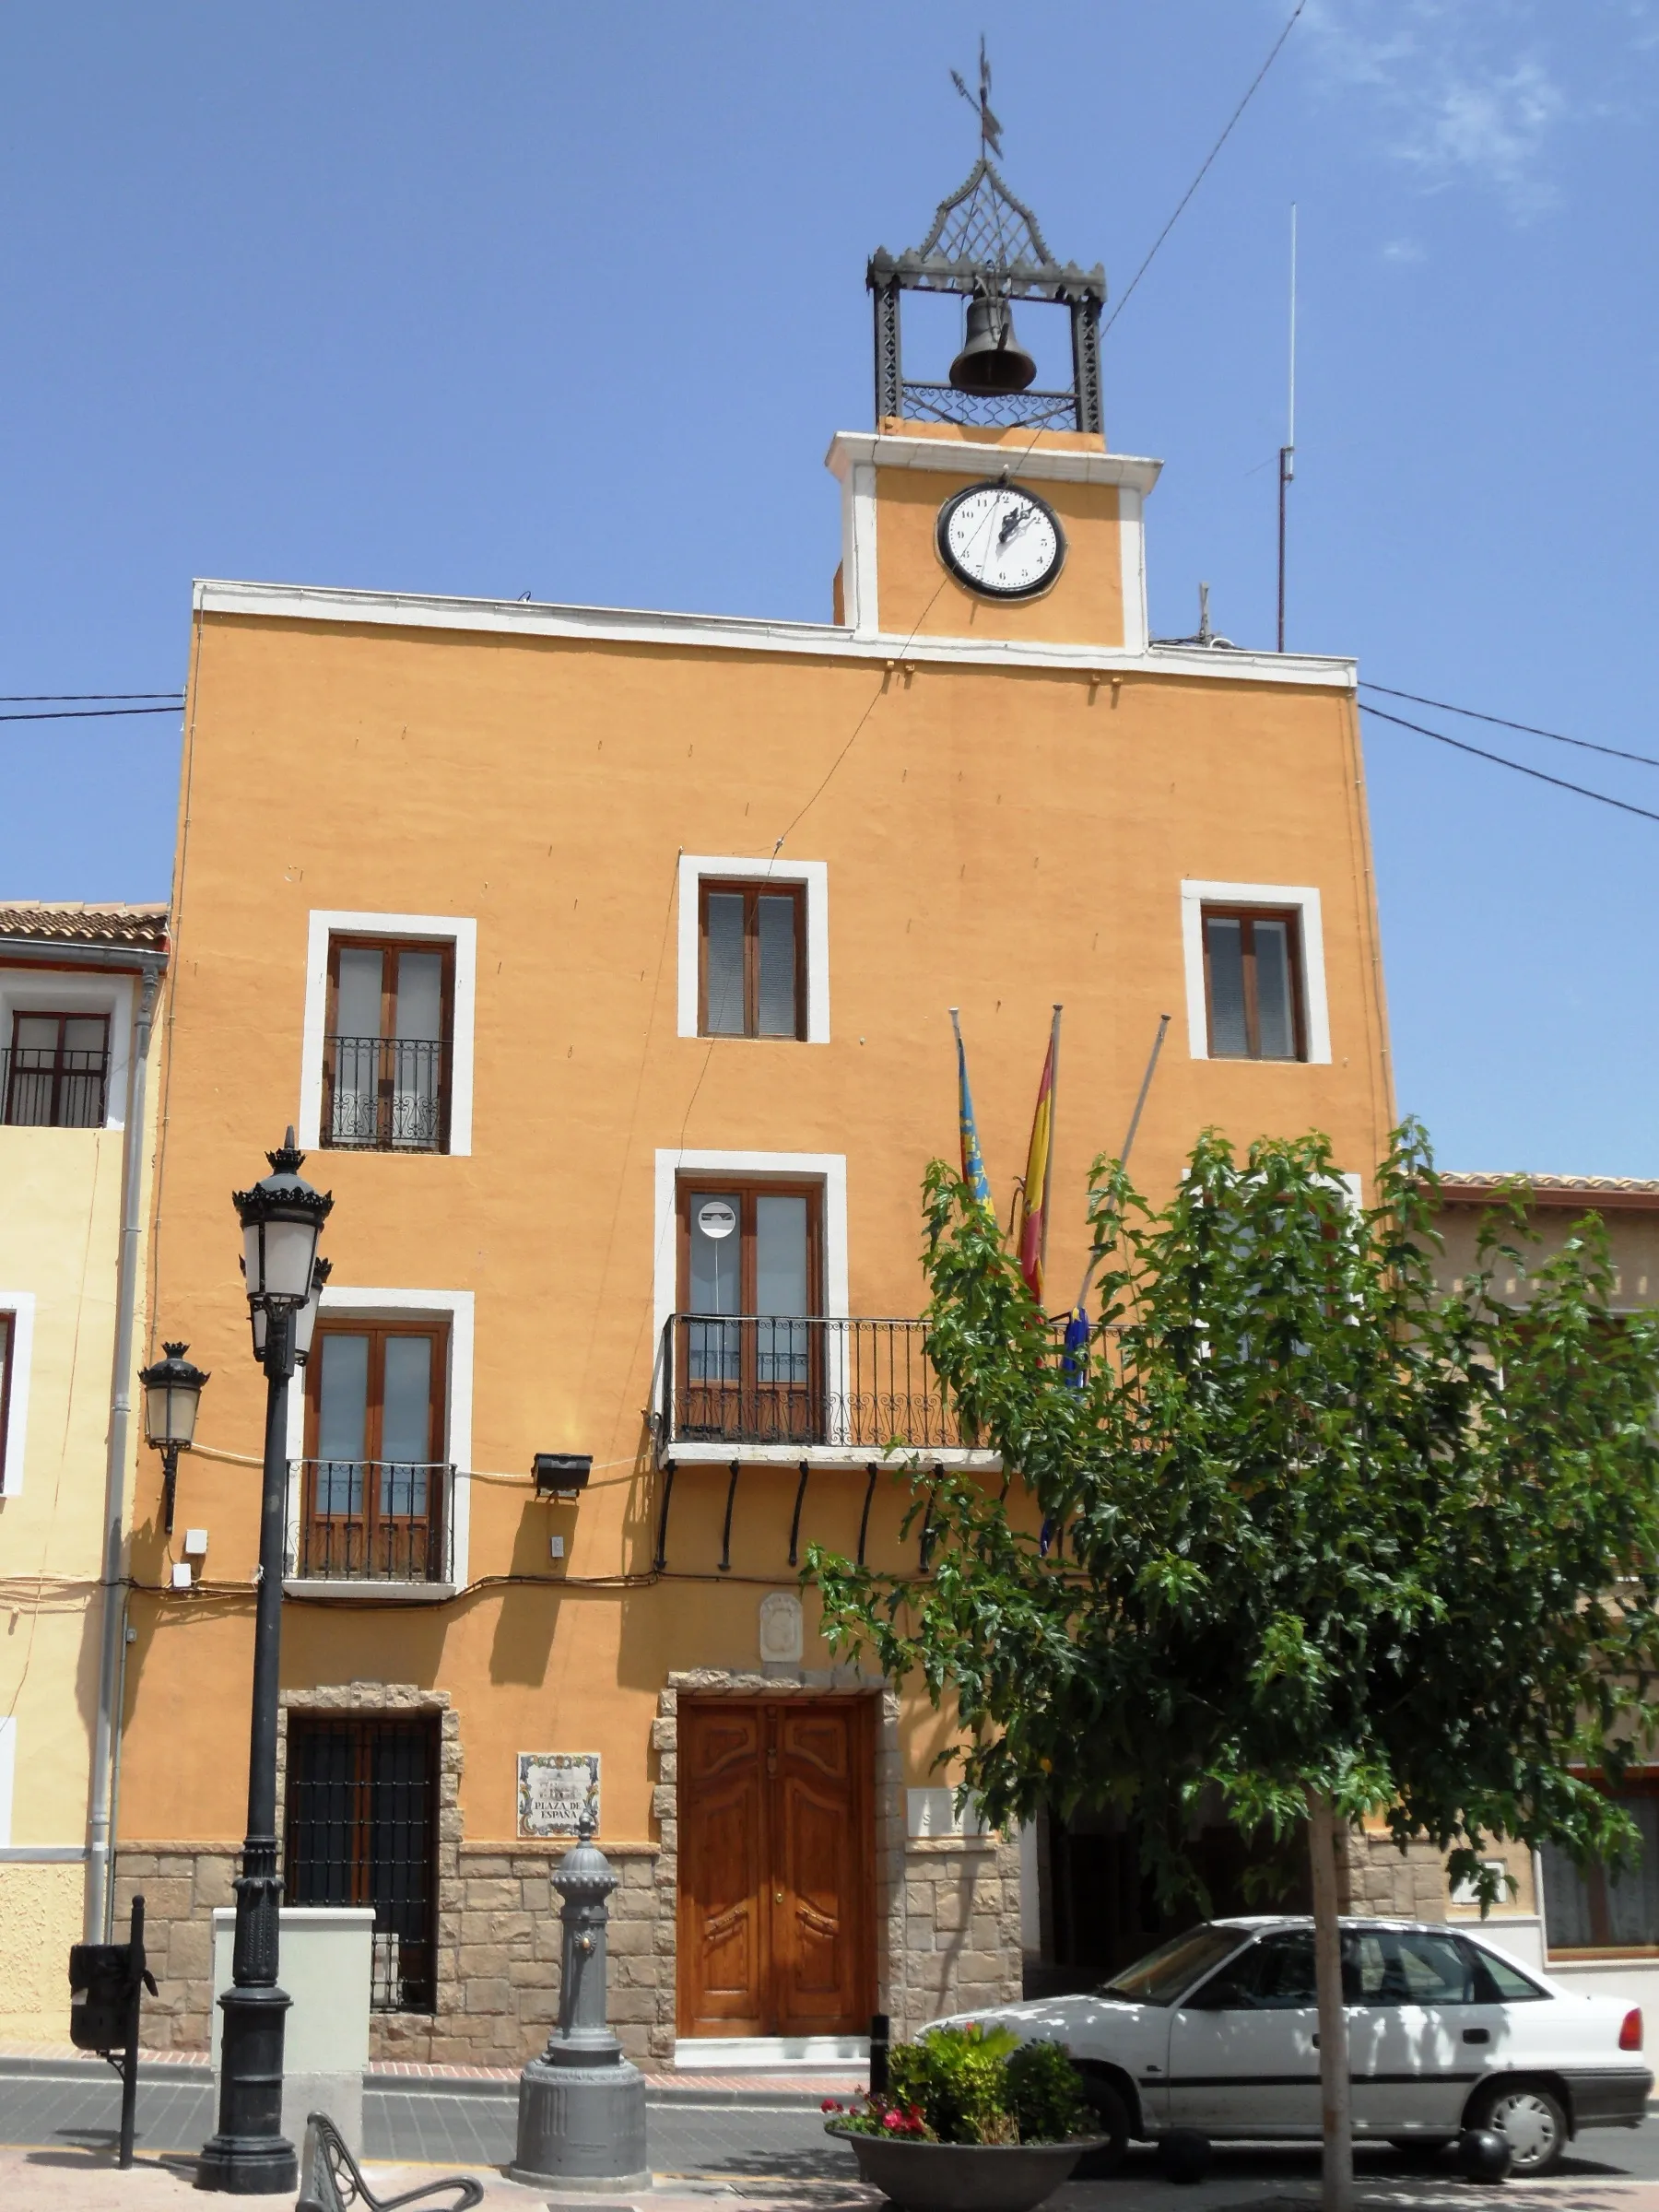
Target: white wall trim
[[1132, 557], [77, 991], [859, 595], [459, 930], [8, 1774], [968, 457], [829, 1168], [344, 1302], [814, 874], [20, 1305], [742, 633], [1194, 896]]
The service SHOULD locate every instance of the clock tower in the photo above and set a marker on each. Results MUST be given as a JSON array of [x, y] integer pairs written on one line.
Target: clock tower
[[983, 509]]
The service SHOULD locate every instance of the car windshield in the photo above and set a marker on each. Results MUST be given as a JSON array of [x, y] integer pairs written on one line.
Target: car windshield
[[1166, 1974]]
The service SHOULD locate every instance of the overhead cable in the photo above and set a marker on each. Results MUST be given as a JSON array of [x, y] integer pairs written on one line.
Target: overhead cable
[[1502, 761], [92, 714], [1527, 729]]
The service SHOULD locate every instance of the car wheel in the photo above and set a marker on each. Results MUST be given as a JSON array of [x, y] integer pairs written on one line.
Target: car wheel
[[1530, 2120], [1112, 2120]]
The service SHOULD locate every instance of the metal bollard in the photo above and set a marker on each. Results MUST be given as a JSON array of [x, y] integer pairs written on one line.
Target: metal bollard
[[880, 2037]]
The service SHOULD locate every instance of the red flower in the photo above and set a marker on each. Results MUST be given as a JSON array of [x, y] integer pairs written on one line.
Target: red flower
[[829, 2105], [890, 2120]]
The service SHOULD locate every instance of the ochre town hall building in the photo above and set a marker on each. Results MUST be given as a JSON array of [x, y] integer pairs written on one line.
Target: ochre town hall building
[[602, 964]]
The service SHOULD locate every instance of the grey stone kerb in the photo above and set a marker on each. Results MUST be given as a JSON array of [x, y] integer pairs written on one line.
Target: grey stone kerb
[[582, 2105]]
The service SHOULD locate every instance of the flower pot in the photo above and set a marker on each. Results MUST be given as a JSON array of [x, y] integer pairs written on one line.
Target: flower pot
[[963, 2177]]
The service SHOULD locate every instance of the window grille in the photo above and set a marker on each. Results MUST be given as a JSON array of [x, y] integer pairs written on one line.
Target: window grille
[[362, 1824]]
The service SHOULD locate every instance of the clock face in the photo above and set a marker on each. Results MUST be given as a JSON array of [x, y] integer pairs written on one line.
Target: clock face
[[1001, 540]]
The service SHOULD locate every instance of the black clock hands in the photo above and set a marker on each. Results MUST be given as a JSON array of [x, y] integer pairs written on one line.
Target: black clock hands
[[1016, 519]]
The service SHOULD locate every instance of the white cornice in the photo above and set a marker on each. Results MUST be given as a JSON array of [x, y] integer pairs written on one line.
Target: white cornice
[[741, 633], [958, 458]]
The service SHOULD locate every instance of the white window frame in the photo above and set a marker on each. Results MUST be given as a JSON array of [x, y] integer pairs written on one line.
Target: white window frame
[[1304, 899], [20, 1306], [343, 1302], [77, 991], [697, 868], [830, 1168], [458, 930], [9, 1775]]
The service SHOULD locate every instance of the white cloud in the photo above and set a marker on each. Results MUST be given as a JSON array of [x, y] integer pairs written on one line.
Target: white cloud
[[1478, 91], [1403, 250]]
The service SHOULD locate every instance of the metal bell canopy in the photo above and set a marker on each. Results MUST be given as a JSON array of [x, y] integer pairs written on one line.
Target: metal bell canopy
[[985, 246]]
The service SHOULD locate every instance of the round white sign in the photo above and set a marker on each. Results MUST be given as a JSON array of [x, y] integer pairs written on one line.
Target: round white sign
[[716, 1219]]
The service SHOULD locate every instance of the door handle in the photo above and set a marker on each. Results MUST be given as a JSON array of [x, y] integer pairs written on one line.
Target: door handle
[[779, 1897], [1476, 2035]]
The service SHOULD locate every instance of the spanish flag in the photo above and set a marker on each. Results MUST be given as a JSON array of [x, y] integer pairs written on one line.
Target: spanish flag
[[1040, 1164], [973, 1161]]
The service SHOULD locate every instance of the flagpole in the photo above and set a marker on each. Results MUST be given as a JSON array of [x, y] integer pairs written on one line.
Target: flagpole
[[1135, 1121], [1047, 1165]]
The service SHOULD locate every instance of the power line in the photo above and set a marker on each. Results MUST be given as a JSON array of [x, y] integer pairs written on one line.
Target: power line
[[1210, 158], [1520, 767], [22, 699], [92, 714], [1527, 729]]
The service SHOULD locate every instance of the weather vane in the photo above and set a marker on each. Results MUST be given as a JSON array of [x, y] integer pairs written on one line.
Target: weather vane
[[990, 129]]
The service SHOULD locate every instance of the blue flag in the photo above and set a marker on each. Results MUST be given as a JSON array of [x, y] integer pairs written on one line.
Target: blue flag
[[973, 1162]]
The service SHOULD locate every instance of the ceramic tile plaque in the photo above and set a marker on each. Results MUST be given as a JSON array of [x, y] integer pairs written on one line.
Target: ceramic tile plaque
[[554, 1789]]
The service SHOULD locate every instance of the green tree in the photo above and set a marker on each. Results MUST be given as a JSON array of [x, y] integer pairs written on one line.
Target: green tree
[[1325, 1539]]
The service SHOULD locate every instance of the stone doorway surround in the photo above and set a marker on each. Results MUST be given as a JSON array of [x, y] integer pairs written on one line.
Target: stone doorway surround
[[947, 1908]]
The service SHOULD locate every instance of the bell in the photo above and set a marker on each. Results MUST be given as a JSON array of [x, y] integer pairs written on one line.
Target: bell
[[992, 361]]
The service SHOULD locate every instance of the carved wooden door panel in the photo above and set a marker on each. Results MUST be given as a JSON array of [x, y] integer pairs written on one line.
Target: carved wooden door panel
[[777, 1865], [724, 1963], [821, 1864]]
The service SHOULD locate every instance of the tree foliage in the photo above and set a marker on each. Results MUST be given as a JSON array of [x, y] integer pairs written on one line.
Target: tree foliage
[[1316, 1527]]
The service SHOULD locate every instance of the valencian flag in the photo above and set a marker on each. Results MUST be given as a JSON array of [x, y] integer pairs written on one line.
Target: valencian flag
[[973, 1162], [1040, 1162]]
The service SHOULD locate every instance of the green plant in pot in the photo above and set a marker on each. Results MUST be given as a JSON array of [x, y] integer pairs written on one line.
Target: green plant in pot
[[971, 2117]]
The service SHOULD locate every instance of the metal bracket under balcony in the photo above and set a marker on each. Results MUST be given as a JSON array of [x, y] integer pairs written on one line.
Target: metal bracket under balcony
[[790, 1391], [372, 1528]]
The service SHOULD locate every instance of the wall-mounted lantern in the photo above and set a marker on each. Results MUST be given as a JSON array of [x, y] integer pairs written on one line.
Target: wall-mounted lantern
[[173, 1391]]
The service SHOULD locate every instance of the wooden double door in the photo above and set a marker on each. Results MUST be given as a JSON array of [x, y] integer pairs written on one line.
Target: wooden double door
[[777, 1866]]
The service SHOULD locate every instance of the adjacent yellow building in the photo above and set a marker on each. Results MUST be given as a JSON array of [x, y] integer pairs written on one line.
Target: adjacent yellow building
[[78, 990], [603, 962]]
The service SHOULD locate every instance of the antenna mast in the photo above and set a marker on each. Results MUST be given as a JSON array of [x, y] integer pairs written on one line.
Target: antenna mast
[[1288, 451]]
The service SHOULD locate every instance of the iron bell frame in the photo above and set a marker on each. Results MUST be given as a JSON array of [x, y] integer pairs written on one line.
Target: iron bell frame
[[984, 243]]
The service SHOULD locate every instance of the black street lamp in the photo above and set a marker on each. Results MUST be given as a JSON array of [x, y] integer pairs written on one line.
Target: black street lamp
[[248, 2156], [172, 1390]]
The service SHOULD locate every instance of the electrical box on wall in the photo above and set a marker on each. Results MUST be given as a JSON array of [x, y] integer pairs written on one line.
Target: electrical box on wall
[[555, 1547], [182, 1575], [195, 1543]]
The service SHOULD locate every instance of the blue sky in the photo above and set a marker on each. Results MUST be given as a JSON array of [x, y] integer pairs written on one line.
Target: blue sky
[[538, 298]]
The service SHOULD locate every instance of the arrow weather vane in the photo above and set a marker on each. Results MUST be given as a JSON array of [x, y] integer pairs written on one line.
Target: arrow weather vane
[[990, 129]]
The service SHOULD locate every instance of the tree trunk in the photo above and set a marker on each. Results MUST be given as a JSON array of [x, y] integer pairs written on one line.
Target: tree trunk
[[1337, 2194]]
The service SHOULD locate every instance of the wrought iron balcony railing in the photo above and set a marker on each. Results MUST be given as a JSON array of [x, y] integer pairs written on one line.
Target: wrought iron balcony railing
[[386, 1094], [45, 1088], [861, 1385], [371, 1521]]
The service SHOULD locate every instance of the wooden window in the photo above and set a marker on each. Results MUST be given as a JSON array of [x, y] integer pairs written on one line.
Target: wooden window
[[1591, 1909], [374, 1478], [749, 1360], [57, 1070], [387, 1053], [752, 959], [361, 1828], [1252, 983]]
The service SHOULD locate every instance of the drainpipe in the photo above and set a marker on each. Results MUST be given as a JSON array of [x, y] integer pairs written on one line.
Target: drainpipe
[[112, 1651]]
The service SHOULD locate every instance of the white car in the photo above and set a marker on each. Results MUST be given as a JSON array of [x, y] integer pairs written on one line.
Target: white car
[[1217, 2032]]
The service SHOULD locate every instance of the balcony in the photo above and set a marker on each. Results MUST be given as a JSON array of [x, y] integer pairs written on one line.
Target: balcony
[[833, 1391], [45, 1088], [370, 1525], [386, 1094]]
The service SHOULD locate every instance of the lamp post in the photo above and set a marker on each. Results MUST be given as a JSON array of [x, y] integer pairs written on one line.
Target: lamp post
[[248, 2156], [172, 1390]]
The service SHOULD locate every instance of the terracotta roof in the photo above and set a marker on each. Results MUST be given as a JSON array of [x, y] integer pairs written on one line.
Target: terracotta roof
[[1630, 1191], [73, 923]]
